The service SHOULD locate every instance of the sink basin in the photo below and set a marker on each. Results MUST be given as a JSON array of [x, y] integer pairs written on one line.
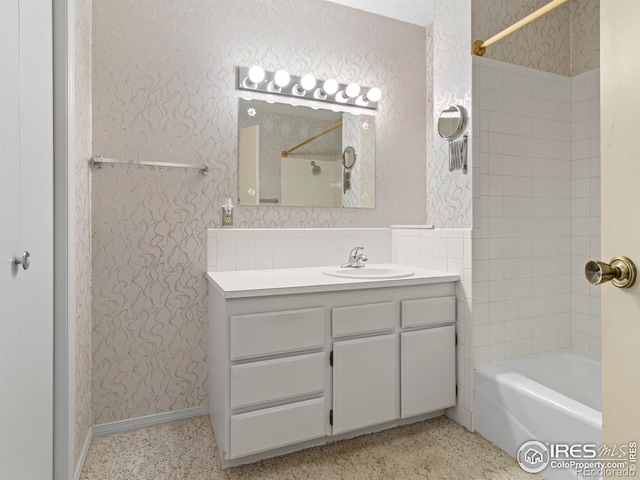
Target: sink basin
[[370, 271]]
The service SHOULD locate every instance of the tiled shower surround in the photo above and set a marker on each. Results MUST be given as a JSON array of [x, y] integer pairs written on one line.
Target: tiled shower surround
[[522, 228], [536, 211], [585, 208]]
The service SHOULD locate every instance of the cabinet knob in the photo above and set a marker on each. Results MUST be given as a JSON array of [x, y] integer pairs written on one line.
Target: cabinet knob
[[24, 260]]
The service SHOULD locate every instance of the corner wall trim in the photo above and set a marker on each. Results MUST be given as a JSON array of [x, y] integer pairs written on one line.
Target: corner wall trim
[[121, 426], [83, 454]]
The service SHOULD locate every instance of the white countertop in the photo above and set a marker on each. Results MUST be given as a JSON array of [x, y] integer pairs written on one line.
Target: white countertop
[[285, 281]]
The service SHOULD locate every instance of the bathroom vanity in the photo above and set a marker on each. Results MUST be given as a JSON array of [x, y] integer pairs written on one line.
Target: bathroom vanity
[[299, 358]]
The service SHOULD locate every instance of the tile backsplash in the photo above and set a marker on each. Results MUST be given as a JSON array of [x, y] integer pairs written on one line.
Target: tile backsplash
[[232, 249]]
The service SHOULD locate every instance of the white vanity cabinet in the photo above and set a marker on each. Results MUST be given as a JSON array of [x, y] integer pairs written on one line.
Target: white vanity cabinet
[[293, 367]]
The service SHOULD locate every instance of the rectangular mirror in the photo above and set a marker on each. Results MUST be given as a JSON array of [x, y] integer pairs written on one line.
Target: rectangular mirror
[[300, 156]]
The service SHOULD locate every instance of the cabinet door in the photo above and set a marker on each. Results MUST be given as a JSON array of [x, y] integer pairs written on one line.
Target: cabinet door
[[428, 378], [365, 382]]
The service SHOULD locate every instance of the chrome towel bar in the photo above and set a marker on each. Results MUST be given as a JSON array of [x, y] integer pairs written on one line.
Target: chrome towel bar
[[97, 162]]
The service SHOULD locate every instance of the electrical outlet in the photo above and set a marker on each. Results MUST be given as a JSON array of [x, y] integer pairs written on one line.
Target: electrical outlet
[[227, 218]]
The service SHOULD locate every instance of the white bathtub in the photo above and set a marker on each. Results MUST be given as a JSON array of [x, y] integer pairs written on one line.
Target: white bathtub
[[553, 397]]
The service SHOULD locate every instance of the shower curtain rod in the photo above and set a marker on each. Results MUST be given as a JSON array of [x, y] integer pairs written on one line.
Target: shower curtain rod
[[479, 47], [330, 129], [97, 162]]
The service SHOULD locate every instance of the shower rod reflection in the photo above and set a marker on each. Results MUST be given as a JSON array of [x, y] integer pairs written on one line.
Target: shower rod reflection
[[97, 162]]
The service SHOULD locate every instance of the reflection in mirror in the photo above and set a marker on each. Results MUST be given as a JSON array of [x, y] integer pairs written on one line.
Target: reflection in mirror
[[292, 156], [349, 157]]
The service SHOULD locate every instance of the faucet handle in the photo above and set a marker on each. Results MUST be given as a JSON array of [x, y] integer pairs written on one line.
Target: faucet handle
[[354, 251]]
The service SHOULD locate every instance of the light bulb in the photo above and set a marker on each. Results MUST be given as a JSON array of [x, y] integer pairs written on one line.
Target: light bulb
[[256, 74], [373, 95], [352, 90], [330, 86], [341, 97], [281, 78], [308, 81]]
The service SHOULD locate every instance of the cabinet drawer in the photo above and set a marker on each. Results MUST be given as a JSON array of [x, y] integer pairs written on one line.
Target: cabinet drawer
[[428, 311], [279, 379], [374, 317], [270, 428], [276, 332]]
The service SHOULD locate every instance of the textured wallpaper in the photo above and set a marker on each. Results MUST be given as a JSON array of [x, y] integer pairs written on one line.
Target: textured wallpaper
[[449, 194], [564, 41], [585, 35], [163, 89], [83, 221]]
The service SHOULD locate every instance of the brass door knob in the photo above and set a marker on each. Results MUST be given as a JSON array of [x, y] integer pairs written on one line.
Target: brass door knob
[[620, 271]]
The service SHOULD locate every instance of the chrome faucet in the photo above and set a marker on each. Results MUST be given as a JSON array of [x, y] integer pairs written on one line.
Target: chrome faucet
[[355, 259]]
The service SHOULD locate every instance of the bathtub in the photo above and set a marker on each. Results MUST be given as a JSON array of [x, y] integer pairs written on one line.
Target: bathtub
[[553, 397]]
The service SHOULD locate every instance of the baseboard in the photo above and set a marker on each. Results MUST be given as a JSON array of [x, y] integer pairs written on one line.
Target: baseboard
[[147, 421], [461, 416], [83, 456]]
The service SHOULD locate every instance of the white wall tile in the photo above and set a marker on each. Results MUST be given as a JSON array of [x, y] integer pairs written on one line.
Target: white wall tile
[[537, 210]]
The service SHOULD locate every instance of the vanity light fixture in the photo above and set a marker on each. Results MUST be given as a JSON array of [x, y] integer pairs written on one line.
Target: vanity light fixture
[[307, 87]]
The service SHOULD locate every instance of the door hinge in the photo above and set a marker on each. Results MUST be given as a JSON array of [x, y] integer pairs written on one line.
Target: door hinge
[[330, 417], [456, 339], [331, 359], [456, 390]]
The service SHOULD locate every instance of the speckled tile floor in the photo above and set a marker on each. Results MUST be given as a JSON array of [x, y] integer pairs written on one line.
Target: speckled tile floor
[[185, 449]]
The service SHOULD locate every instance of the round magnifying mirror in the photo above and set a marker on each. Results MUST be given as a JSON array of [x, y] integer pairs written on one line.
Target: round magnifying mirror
[[349, 157], [451, 122]]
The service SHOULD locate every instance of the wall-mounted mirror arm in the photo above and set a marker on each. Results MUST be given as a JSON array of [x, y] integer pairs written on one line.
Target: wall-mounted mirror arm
[[450, 125]]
